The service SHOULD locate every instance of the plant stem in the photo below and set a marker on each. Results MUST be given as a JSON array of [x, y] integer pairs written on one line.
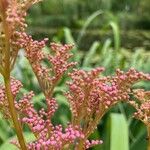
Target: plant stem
[[6, 74], [148, 130], [14, 115], [80, 145]]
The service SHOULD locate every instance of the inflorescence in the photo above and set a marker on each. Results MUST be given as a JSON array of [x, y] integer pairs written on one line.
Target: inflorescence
[[90, 94]]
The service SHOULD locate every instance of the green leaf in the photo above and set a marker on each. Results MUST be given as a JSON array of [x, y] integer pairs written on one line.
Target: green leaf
[[38, 100], [70, 40], [105, 47], [63, 114], [115, 29], [118, 132], [8, 146], [68, 36], [136, 56], [87, 23], [108, 60], [4, 126], [62, 100], [90, 54], [138, 133]]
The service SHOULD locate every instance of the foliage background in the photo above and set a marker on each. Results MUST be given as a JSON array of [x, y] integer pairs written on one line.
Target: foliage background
[[109, 33]]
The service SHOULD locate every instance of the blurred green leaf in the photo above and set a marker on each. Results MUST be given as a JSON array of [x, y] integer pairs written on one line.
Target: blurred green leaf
[[115, 29], [68, 36], [87, 23], [90, 54], [105, 47], [8, 146], [70, 40], [4, 127], [118, 132]]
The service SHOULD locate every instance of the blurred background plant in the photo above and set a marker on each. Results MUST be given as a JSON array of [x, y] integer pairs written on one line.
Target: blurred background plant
[[109, 33]]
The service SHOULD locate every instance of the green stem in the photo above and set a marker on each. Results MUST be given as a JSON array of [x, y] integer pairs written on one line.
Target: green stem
[[14, 115], [6, 74]]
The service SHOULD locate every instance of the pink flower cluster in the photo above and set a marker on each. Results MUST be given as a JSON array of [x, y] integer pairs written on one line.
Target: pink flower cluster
[[90, 95], [12, 18], [58, 139], [92, 143], [58, 60], [143, 106], [16, 14], [15, 87], [47, 135]]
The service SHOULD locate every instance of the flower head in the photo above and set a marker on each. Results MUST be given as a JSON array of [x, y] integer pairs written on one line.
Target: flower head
[[143, 106], [90, 95]]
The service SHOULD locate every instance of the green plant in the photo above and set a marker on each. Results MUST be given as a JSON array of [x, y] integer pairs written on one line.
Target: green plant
[[89, 95]]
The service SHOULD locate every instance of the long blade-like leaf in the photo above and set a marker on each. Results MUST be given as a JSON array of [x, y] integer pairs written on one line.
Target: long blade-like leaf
[[118, 132], [90, 54]]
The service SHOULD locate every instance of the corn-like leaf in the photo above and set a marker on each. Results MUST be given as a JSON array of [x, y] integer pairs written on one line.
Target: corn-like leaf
[[118, 132]]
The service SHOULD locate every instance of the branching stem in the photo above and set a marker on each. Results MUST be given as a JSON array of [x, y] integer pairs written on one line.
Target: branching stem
[[7, 80], [14, 115]]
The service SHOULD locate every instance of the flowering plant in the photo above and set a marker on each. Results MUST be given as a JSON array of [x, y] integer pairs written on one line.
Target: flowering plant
[[90, 95]]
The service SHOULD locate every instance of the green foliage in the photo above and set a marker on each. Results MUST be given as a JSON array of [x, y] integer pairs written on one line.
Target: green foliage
[[73, 12], [137, 135], [107, 53], [87, 23], [116, 36], [8, 146], [99, 54], [118, 132], [108, 56], [69, 39], [89, 56], [4, 129]]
